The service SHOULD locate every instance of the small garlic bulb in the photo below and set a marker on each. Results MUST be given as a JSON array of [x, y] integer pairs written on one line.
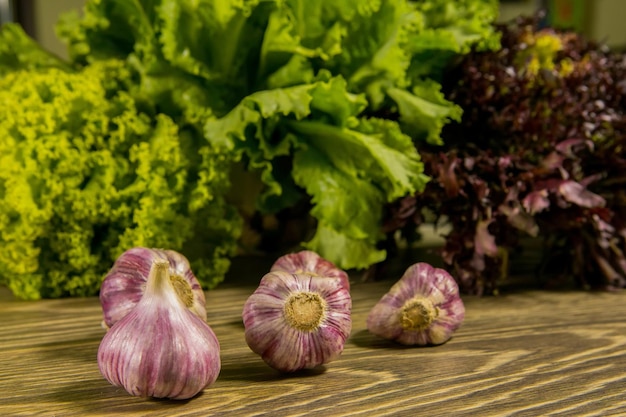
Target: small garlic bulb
[[309, 262], [125, 283], [297, 321], [160, 348], [423, 308]]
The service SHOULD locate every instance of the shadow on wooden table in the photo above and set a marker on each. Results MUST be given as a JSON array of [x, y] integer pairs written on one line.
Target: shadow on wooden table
[[258, 371], [96, 395]]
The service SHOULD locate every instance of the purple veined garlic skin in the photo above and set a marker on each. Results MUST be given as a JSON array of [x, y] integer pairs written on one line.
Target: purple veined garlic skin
[[161, 348], [125, 283], [423, 308], [309, 262], [297, 321]]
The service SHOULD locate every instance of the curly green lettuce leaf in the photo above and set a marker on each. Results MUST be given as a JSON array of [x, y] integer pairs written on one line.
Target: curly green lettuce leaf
[[86, 176]]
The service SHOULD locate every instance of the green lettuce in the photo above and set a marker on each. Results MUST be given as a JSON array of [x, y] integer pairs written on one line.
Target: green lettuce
[[86, 175], [322, 102], [296, 90], [349, 166]]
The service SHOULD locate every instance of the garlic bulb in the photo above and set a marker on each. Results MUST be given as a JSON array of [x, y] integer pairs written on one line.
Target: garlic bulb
[[160, 348], [125, 283], [309, 262], [297, 321], [423, 308]]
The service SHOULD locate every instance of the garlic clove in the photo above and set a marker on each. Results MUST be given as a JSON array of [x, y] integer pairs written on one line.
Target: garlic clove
[[125, 283], [423, 308], [297, 321], [160, 348], [309, 262]]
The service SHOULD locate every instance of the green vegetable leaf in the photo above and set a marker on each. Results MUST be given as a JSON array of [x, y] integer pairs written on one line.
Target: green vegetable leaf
[[282, 42], [349, 166], [468, 21], [211, 39], [359, 253], [350, 174], [343, 200], [86, 176], [18, 51], [181, 94], [424, 113], [372, 42], [451, 28], [111, 29], [251, 129]]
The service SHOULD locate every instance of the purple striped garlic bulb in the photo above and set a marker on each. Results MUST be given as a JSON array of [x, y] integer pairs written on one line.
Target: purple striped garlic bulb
[[160, 348], [309, 262], [126, 282], [423, 308], [297, 321]]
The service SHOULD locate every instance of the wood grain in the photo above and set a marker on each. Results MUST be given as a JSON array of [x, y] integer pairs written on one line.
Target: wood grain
[[524, 354]]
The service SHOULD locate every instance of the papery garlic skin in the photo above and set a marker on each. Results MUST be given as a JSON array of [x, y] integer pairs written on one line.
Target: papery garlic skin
[[297, 321], [125, 284], [309, 262], [423, 308], [160, 349]]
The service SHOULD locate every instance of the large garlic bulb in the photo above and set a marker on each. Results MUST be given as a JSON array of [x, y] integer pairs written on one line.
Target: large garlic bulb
[[160, 348], [297, 321]]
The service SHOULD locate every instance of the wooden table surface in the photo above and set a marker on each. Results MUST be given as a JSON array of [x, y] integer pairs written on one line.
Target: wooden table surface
[[528, 353]]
